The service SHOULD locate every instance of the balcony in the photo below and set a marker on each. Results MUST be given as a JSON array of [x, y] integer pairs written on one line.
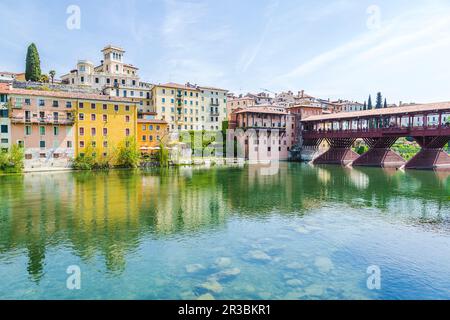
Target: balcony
[[43, 121], [214, 104]]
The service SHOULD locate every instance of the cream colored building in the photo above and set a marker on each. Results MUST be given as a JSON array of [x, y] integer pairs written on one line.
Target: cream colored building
[[190, 107], [113, 77]]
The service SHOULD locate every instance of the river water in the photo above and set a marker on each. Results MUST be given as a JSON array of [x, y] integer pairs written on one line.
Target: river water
[[226, 233]]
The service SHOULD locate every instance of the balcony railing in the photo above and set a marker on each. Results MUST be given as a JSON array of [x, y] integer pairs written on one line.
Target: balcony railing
[[47, 120], [214, 104]]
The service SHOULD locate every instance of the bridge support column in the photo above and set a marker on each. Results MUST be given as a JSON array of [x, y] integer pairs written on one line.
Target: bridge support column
[[432, 156], [340, 152], [380, 154]]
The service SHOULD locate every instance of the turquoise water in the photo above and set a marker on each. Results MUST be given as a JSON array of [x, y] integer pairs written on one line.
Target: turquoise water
[[228, 233]]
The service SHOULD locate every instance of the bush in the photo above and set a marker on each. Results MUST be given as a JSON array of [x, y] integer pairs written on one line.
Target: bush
[[163, 156], [11, 161], [128, 155], [92, 159]]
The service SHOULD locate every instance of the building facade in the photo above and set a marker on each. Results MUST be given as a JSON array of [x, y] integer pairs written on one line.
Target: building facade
[[56, 126], [189, 107], [268, 132], [5, 123], [112, 76], [242, 102], [150, 132]]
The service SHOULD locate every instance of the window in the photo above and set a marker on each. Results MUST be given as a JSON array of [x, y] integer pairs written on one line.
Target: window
[[55, 104], [163, 100], [105, 144], [93, 117], [82, 79], [97, 80], [28, 102], [4, 128], [150, 127], [105, 118], [41, 103], [42, 130], [127, 132], [150, 138], [81, 105], [105, 132], [81, 116], [81, 144], [127, 108], [144, 127], [69, 104], [42, 144], [81, 131], [116, 108], [144, 138], [108, 80], [93, 132], [127, 118], [93, 106], [28, 130], [69, 144], [157, 128], [105, 107], [55, 131]]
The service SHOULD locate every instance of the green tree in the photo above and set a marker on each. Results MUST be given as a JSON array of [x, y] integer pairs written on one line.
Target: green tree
[[44, 78], [385, 103], [33, 64], [12, 161], [128, 155], [379, 103], [369, 103], [365, 105], [52, 74]]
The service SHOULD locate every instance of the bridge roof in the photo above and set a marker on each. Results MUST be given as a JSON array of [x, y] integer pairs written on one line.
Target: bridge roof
[[431, 107]]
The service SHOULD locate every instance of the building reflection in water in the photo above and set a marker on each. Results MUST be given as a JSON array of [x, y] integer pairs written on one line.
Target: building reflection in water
[[111, 213]]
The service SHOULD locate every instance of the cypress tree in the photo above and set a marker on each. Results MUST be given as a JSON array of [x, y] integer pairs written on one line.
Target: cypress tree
[[33, 64], [379, 104], [385, 103], [369, 103], [365, 105]]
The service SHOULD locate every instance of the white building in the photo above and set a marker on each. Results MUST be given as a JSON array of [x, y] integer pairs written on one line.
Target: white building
[[113, 76]]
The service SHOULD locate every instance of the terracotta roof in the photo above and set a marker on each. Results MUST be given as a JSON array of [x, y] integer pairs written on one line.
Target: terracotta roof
[[262, 109], [380, 112], [151, 121], [6, 89], [176, 86], [213, 88]]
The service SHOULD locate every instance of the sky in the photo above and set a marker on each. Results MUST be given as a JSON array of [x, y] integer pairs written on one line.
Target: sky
[[343, 49]]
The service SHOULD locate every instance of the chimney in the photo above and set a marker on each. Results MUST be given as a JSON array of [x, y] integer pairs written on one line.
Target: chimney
[[302, 93], [400, 104]]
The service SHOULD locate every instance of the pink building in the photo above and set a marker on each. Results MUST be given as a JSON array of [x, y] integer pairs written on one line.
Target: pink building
[[264, 132], [43, 125]]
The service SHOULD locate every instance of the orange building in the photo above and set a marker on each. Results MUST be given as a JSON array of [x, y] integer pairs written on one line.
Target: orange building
[[150, 132]]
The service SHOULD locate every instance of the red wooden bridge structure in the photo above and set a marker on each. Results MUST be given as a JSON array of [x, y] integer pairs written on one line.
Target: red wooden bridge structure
[[427, 124]]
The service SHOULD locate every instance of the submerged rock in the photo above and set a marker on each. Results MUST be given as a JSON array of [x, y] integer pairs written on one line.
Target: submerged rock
[[211, 285], [193, 268], [315, 290], [227, 274], [324, 264], [295, 266], [259, 255], [302, 230], [206, 296], [294, 283], [222, 262]]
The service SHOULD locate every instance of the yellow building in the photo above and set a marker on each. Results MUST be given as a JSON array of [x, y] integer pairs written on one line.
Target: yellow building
[[150, 132], [104, 123]]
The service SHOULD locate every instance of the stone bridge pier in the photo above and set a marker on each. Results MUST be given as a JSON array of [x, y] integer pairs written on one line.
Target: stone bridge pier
[[380, 154], [432, 154], [340, 152]]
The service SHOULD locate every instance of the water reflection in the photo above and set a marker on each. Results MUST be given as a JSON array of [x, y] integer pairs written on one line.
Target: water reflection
[[109, 214]]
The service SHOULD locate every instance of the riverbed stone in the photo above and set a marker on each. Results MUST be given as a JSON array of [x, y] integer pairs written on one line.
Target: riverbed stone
[[294, 282], [226, 274], [212, 285], [315, 290], [324, 264], [206, 296], [222, 262], [194, 268], [259, 255], [295, 266], [302, 230]]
